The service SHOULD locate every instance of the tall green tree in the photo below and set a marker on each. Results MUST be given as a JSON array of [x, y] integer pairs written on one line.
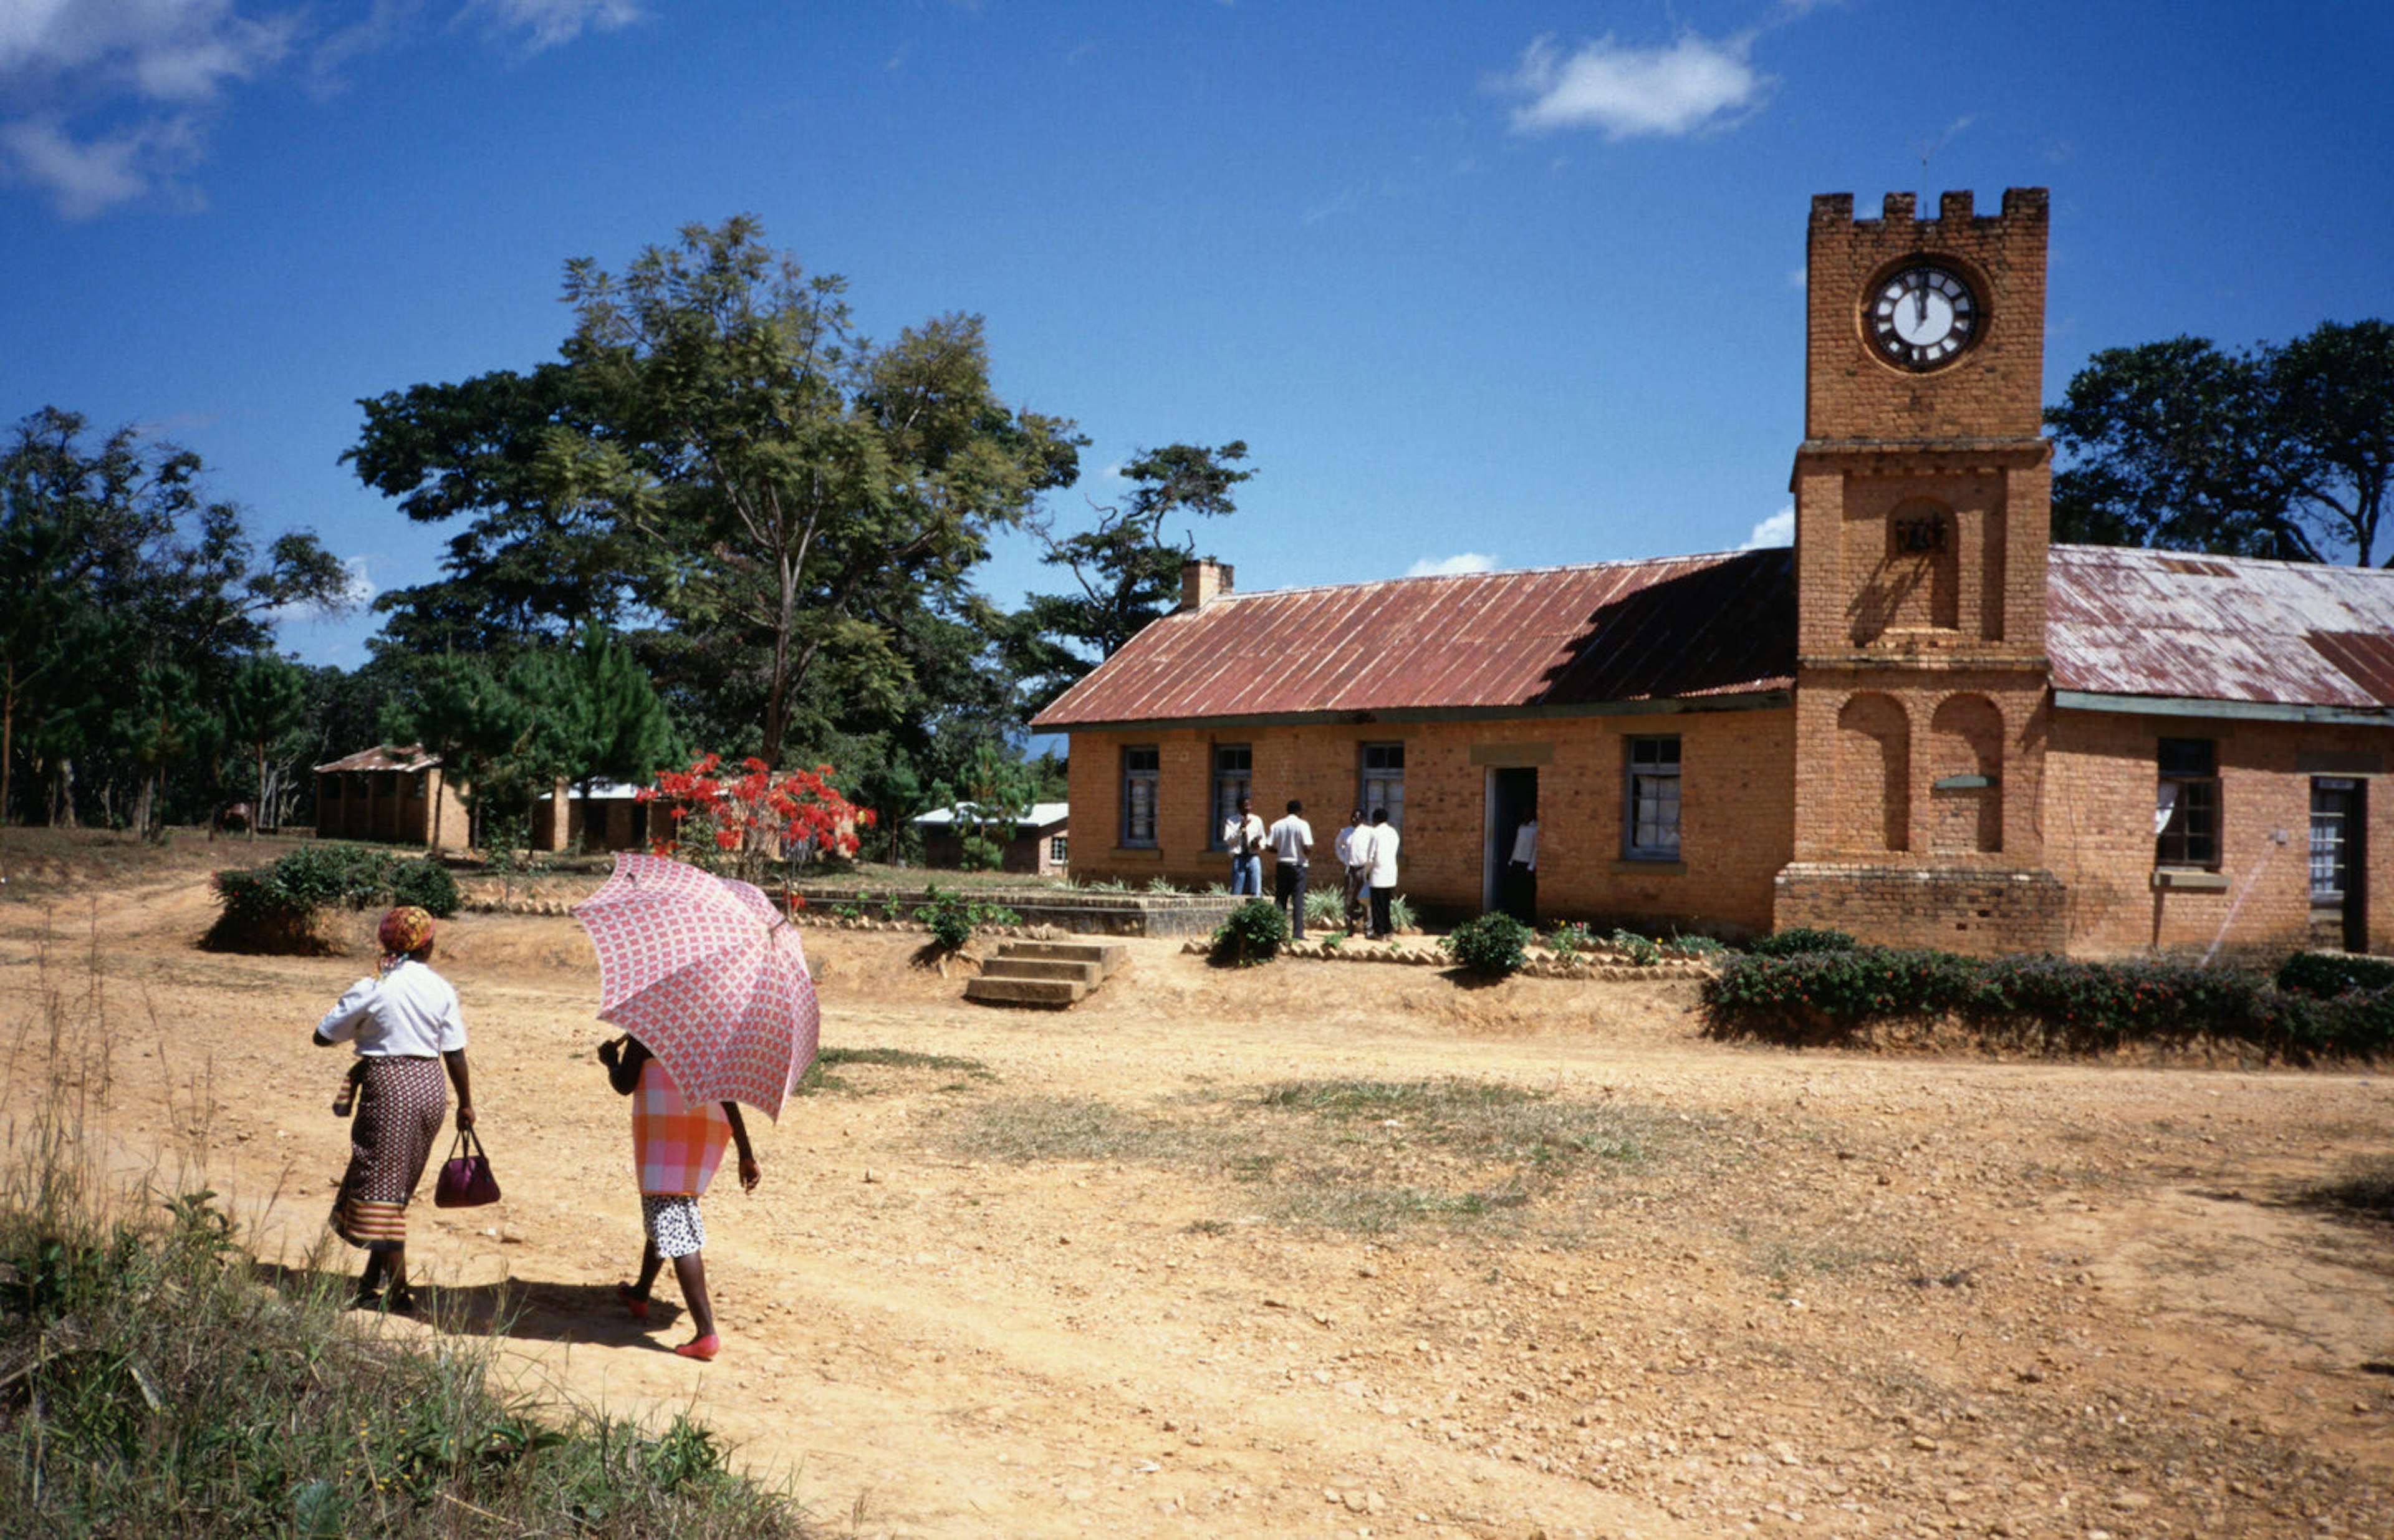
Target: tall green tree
[[719, 450], [1125, 569], [117, 570], [593, 714], [265, 704], [458, 707], [2275, 452]]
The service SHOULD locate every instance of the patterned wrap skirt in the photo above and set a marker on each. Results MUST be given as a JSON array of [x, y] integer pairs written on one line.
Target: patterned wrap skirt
[[399, 1108]]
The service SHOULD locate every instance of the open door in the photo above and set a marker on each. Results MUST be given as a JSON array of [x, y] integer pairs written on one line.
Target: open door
[[1509, 881]]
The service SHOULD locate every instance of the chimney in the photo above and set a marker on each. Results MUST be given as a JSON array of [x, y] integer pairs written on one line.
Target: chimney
[[1203, 581]]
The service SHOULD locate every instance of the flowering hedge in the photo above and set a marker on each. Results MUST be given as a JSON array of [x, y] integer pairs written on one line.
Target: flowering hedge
[[744, 823], [2066, 1004]]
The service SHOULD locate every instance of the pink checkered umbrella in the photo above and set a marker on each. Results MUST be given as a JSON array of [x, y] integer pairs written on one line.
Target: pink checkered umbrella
[[708, 975]]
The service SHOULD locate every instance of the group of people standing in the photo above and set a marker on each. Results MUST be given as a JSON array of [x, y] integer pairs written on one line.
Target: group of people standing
[[404, 1026], [1366, 853]]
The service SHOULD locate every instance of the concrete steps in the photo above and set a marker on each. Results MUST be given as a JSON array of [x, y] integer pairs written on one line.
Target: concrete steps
[[1052, 975]]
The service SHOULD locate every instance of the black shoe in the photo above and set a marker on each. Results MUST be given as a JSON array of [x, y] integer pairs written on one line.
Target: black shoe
[[400, 1300], [366, 1299]]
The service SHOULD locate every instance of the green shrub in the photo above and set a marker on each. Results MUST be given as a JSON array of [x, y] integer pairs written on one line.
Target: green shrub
[[952, 917], [1697, 946], [2329, 974], [2064, 1004], [1326, 908], [1401, 913], [1640, 951], [1251, 933], [1491, 946], [274, 907], [1796, 941], [1570, 939], [425, 884]]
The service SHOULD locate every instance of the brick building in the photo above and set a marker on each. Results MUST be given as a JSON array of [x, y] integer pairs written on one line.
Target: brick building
[[1925, 724], [392, 793]]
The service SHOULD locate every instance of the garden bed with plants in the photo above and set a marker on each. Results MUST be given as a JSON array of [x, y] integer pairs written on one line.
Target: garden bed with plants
[[1806, 987]]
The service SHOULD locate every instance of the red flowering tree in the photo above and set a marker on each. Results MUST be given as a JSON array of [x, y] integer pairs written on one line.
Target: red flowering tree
[[742, 826]]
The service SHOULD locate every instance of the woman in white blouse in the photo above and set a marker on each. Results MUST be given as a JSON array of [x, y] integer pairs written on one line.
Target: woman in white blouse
[[404, 1024]]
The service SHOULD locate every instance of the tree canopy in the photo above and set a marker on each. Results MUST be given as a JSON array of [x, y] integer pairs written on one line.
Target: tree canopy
[[2282, 451], [128, 600], [1125, 569], [784, 513]]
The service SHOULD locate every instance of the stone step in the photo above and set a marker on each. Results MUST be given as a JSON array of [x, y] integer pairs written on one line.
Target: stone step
[[1053, 994], [1107, 955], [1007, 965]]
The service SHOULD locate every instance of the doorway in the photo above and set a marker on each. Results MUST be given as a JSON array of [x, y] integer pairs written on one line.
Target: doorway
[[1509, 880], [2339, 888]]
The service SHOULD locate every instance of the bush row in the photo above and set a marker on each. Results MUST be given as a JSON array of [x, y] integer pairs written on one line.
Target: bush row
[[310, 877], [2075, 1004]]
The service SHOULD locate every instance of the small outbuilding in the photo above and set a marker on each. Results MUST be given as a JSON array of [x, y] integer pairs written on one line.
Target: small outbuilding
[[604, 815], [392, 794], [1037, 849]]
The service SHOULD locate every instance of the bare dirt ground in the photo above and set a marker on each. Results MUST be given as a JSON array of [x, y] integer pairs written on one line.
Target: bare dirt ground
[[1327, 1249]]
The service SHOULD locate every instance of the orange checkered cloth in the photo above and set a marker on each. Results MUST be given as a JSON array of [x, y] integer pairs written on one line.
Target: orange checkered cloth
[[676, 1146]]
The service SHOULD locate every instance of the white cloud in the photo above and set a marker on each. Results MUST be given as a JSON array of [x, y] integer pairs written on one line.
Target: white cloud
[[110, 101], [1691, 84], [89, 176], [548, 23], [356, 594], [1777, 530], [1450, 566]]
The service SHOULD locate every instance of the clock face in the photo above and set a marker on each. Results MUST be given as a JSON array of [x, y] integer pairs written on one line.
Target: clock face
[[1922, 317]]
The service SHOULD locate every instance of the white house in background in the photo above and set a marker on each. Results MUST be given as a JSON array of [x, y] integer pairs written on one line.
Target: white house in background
[[1037, 847]]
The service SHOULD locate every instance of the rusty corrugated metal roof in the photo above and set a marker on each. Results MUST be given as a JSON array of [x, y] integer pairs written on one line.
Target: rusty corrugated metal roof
[[1660, 629], [2119, 621], [2127, 622], [386, 756]]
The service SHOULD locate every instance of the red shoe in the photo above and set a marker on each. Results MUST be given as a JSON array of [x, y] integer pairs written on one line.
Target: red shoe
[[703, 1349], [635, 1303]]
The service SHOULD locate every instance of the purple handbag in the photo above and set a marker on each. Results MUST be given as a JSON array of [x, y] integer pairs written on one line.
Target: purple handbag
[[465, 1179]]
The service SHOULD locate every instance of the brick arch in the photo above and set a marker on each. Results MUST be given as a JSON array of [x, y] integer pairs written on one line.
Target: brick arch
[[1874, 773], [1966, 744]]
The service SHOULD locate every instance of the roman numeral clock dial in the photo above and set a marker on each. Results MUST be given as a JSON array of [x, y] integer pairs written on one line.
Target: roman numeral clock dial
[[1922, 317]]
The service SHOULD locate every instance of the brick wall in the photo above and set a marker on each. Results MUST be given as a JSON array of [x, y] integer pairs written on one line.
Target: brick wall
[[1736, 809], [2101, 776]]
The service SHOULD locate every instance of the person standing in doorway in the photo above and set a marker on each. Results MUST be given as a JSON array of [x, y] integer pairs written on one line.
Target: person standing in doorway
[[1353, 848], [1244, 836], [1384, 872], [1292, 842], [1520, 896]]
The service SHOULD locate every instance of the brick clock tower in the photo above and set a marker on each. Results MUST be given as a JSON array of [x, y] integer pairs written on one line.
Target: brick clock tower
[[1922, 515]]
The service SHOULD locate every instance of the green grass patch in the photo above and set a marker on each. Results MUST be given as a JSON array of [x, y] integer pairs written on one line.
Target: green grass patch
[[1353, 1155], [819, 1080]]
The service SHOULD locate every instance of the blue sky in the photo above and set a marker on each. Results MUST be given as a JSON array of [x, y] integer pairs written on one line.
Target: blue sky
[[1491, 284]]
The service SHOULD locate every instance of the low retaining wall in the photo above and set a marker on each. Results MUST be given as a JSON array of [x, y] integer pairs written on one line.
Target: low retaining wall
[[1069, 909]]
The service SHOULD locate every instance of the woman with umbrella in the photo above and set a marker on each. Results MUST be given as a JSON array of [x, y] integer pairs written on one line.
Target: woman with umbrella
[[709, 983], [677, 1148]]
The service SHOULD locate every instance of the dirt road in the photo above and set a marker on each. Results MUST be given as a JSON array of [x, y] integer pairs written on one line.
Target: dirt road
[[1326, 1249]]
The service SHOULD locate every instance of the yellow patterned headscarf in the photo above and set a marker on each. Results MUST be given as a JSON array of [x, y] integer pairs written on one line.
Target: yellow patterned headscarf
[[403, 930]]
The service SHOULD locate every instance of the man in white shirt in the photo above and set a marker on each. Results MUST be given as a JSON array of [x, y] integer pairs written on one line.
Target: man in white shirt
[[1353, 848], [1244, 836], [1521, 895], [1292, 841], [1384, 871]]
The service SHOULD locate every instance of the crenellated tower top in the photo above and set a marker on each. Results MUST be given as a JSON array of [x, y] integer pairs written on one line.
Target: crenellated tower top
[[1923, 330]]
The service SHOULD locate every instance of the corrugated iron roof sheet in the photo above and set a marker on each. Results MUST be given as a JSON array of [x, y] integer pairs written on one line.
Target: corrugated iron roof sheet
[[2119, 621], [387, 756], [2125, 622], [1552, 636]]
